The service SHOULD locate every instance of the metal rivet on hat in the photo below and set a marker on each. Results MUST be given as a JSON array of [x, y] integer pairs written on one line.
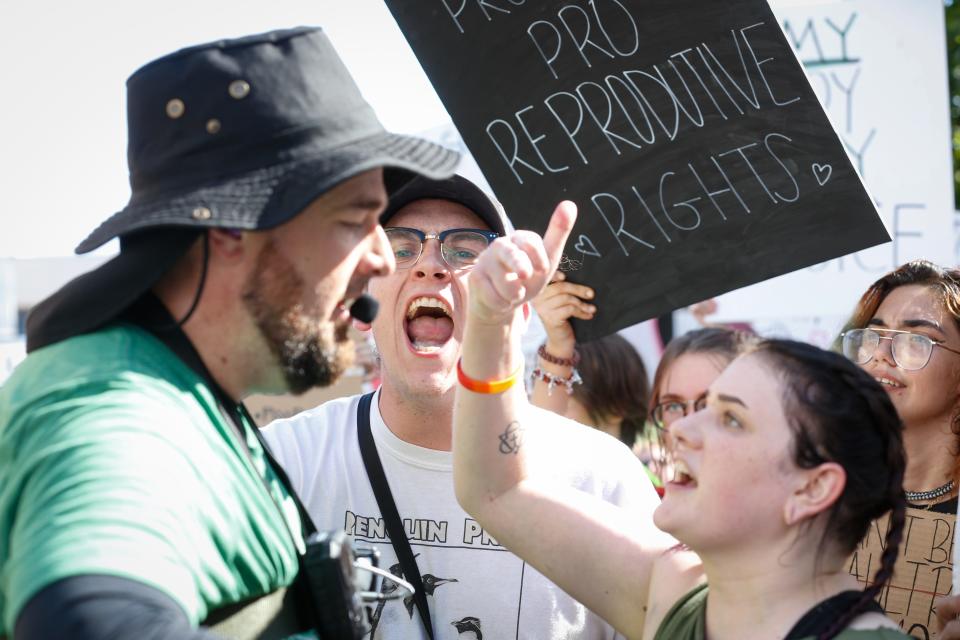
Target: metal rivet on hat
[[239, 89], [202, 213], [175, 108], [213, 126]]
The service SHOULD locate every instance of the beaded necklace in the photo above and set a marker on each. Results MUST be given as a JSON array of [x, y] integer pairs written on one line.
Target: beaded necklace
[[919, 496]]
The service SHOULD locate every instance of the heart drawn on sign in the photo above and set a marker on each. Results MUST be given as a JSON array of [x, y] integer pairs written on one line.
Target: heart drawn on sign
[[822, 172], [585, 246]]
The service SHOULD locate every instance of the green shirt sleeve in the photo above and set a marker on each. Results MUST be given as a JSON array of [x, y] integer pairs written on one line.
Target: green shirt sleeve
[[131, 480], [99, 491]]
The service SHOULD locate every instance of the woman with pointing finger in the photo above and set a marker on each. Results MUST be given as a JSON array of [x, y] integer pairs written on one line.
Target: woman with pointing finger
[[794, 451]]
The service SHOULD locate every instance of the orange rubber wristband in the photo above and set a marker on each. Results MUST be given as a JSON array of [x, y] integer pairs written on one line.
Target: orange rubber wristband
[[487, 386]]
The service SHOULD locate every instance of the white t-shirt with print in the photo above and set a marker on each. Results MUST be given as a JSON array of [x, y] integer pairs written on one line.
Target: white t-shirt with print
[[475, 588]]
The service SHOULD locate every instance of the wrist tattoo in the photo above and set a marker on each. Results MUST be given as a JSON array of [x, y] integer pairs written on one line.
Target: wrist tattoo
[[511, 439]]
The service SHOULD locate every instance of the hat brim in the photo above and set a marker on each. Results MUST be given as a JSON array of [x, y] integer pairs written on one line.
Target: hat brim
[[91, 300], [272, 195]]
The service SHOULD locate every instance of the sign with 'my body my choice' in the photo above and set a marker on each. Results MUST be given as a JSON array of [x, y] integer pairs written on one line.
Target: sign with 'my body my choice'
[[685, 130]]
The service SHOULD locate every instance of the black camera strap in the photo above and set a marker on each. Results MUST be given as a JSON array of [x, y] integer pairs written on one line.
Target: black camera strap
[[177, 341], [284, 611], [388, 509]]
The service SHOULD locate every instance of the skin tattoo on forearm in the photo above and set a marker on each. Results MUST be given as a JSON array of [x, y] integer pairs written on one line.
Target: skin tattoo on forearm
[[511, 439]]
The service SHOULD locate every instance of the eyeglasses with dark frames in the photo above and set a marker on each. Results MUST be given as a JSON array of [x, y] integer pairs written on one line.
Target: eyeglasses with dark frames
[[460, 248]]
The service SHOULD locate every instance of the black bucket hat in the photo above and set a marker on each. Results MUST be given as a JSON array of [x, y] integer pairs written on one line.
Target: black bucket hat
[[241, 133], [457, 189]]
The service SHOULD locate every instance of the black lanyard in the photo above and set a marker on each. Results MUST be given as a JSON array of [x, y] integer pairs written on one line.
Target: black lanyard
[[388, 509], [152, 316]]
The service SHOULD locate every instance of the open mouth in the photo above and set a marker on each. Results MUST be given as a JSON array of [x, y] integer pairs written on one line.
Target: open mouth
[[429, 324], [682, 475], [889, 383], [342, 310]]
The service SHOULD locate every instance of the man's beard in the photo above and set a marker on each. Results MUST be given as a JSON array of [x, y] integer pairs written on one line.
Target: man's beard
[[312, 351]]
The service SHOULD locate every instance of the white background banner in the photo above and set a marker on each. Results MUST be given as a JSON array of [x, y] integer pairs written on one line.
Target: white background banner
[[880, 69]]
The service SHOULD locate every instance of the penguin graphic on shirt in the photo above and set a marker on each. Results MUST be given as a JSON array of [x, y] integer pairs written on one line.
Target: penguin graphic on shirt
[[430, 584], [386, 588], [469, 627]]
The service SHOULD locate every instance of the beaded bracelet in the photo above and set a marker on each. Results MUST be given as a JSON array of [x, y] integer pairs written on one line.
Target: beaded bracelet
[[553, 381], [552, 359]]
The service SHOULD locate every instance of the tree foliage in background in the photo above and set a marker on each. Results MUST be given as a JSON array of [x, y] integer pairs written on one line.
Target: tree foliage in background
[[953, 63]]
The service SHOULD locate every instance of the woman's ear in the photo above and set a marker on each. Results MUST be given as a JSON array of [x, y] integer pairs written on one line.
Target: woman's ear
[[821, 487]]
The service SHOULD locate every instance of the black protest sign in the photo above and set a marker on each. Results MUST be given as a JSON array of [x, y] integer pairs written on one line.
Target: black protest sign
[[685, 131]]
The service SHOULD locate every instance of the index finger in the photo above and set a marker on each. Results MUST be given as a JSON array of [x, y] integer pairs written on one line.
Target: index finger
[[561, 224]]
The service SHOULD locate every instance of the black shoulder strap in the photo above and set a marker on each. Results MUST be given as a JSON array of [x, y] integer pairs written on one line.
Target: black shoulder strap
[[388, 509], [822, 616], [149, 314], [178, 342], [306, 522]]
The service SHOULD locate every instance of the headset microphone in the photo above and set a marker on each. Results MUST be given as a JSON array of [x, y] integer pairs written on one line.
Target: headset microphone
[[364, 308]]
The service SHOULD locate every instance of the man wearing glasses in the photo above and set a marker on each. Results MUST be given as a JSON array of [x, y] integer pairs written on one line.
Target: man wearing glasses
[[473, 586]]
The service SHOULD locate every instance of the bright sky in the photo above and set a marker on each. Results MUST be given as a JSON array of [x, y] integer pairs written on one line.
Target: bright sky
[[62, 97]]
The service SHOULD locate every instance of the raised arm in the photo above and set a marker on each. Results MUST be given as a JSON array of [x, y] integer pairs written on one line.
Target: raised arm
[[600, 554], [556, 305]]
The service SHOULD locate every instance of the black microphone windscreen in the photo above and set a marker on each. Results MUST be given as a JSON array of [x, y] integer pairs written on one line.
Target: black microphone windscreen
[[364, 308]]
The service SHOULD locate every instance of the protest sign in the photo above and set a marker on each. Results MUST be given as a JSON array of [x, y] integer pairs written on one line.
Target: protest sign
[[923, 572], [879, 67], [685, 130]]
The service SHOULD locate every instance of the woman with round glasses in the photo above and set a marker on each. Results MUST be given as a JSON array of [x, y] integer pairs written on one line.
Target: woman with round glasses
[[610, 367], [905, 332], [689, 365]]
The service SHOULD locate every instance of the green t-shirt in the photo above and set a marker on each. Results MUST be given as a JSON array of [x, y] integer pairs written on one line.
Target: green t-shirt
[[687, 620], [116, 460]]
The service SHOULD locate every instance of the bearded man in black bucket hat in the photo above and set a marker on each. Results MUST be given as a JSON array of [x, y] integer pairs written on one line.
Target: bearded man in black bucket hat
[[136, 498]]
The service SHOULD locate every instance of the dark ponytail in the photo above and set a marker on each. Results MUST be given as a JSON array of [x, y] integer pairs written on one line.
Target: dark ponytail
[[891, 550], [840, 414], [615, 385]]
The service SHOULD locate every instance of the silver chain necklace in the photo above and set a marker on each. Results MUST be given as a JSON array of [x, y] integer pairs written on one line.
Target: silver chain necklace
[[918, 496]]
